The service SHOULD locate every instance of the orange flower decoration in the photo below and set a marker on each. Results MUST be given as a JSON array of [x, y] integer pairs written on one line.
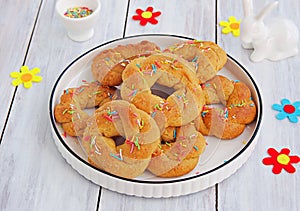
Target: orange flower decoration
[[281, 160], [146, 16]]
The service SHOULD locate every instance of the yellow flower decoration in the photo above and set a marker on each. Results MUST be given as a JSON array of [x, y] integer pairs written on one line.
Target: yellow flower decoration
[[26, 76], [232, 25]]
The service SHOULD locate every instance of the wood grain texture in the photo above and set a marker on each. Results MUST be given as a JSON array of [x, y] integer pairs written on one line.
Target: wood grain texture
[[34, 176], [188, 18], [15, 33], [254, 186], [204, 200]]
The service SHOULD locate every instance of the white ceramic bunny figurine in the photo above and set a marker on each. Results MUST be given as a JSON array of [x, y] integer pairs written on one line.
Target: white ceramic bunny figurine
[[276, 41]]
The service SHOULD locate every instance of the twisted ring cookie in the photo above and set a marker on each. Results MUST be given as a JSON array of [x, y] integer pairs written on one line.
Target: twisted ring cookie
[[180, 154], [108, 65], [184, 102], [228, 122], [181, 106], [112, 121], [207, 56], [217, 90], [69, 111]]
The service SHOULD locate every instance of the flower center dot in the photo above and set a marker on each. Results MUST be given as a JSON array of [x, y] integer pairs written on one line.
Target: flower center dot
[[283, 159], [289, 109], [26, 77], [147, 14], [234, 25]]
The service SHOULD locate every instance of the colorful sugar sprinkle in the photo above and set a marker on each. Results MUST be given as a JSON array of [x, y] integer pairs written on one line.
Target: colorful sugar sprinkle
[[168, 144], [174, 133], [87, 138], [195, 59], [107, 117], [136, 143], [153, 114], [64, 111], [154, 68], [133, 93], [115, 156], [78, 12], [139, 66]]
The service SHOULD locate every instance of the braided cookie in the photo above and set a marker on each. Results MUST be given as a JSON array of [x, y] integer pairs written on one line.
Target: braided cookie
[[182, 104], [108, 65], [207, 56], [217, 90], [69, 112], [179, 154], [117, 120], [228, 122], [179, 108]]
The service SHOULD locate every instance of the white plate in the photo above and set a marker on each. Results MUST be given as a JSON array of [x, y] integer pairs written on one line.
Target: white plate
[[220, 159]]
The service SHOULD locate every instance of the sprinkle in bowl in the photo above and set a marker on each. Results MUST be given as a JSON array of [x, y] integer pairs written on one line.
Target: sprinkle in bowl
[[78, 17]]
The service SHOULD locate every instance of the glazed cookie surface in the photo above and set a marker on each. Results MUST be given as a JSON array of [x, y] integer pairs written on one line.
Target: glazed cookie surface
[[108, 65], [230, 121], [120, 120], [181, 105], [217, 90], [178, 155], [207, 57], [70, 110]]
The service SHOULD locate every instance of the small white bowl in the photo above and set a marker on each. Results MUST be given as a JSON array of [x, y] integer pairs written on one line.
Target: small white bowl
[[79, 29]]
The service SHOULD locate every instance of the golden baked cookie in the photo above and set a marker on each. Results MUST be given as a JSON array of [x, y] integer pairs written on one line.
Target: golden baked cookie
[[207, 57], [181, 105], [179, 156], [119, 119], [217, 56], [108, 65], [230, 121], [217, 90], [69, 111]]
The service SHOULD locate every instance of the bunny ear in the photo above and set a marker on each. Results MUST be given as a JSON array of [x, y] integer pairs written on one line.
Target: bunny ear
[[248, 7], [266, 10]]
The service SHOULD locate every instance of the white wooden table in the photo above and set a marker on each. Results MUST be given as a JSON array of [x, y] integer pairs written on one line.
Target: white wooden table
[[34, 175]]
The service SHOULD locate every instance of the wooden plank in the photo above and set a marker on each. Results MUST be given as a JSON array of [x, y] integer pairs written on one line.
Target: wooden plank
[[204, 200], [34, 176], [254, 186], [16, 26], [187, 18]]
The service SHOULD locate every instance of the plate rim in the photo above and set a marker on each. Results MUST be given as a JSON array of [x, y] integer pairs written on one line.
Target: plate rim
[[228, 162]]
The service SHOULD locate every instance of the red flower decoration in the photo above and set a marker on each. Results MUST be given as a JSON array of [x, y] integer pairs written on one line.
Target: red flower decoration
[[281, 160], [146, 16]]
